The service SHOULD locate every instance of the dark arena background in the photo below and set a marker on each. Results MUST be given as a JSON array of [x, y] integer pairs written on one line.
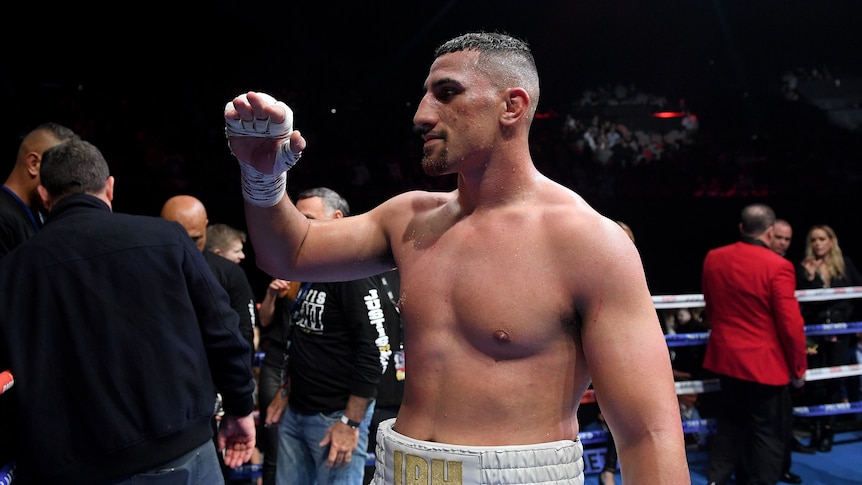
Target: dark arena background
[[668, 115]]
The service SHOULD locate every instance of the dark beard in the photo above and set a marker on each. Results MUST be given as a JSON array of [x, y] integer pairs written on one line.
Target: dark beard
[[435, 166]]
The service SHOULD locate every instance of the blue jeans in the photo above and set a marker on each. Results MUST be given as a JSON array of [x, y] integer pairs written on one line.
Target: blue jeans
[[199, 466], [301, 459]]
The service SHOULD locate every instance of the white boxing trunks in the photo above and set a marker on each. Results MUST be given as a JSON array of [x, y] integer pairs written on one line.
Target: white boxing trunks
[[405, 461]]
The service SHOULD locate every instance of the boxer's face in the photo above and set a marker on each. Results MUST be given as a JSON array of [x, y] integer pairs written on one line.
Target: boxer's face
[[458, 115]]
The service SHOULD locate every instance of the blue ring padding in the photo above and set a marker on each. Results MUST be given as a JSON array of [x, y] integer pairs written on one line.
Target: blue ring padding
[[7, 473], [686, 339], [833, 328], [699, 338], [829, 409]]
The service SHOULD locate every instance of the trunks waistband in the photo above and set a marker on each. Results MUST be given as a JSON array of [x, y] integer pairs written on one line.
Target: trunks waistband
[[405, 461]]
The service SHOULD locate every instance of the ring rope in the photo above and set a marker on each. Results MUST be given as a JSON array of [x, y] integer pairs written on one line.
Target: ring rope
[[693, 300], [833, 328], [828, 409], [834, 372], [817, 374], [709, 425]]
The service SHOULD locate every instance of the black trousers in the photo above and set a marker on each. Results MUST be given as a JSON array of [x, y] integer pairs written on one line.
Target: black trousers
[[788, 446], [751, 433], [832, 350]]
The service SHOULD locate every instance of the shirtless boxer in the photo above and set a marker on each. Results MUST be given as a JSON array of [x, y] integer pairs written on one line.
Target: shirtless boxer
[[495, 376]]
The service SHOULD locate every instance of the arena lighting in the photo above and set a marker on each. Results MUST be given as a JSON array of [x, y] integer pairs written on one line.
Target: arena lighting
[[668, 114], [544, 115]]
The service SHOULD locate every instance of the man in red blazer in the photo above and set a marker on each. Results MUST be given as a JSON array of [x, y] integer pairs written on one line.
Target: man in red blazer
[[756, 347]]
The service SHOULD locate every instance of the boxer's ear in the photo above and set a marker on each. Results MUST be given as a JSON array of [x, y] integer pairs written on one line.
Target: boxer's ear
[[517, 105]]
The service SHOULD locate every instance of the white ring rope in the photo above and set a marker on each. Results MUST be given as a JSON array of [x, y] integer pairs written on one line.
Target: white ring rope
[[694, 300]]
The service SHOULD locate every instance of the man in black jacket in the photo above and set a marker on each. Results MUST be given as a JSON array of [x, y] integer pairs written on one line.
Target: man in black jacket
[[117, 334], [191, 213]]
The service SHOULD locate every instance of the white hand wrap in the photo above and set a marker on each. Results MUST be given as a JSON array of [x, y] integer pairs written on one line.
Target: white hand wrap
[[284, 158], [260, 189]]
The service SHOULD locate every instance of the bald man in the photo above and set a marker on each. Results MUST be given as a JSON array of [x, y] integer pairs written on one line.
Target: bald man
[[781, 237], [190, 213], [20, 205]]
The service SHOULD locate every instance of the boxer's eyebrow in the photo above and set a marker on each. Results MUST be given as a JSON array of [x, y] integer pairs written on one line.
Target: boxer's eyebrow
[[445, 88], [440, 82]]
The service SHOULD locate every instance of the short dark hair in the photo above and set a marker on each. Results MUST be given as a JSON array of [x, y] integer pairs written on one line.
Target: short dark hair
[[60, 132], [756, 219], [506, 59], [73, 167], [332, 200], [496, 42]]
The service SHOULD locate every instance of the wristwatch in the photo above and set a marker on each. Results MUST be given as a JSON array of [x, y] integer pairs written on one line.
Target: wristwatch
[[348, 422]]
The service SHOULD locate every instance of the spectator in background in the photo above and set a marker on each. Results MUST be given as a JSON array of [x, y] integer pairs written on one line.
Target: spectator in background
[[275, 310], [226, 241], [756, 347], [117, 335], [192, 215], [20, 206], [338, 351], [21, 210], [390, 392], [688, 359], [688, 365], [825, 266], [782, 236], [781, 244]]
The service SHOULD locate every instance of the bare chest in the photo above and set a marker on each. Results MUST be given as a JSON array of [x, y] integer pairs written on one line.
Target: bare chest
[[505, 290]]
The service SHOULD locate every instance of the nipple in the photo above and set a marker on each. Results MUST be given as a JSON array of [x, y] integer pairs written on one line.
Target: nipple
[[502, 336]]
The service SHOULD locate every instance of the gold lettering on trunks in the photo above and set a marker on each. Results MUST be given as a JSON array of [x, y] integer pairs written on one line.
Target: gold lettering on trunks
[[414, 470]]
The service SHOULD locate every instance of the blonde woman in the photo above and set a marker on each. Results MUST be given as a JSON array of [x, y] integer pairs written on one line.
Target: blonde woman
[[825, 266]]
